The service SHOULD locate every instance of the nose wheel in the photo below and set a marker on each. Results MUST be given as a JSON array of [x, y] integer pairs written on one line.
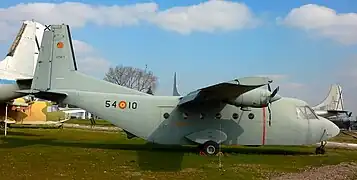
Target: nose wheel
[[321, 148]]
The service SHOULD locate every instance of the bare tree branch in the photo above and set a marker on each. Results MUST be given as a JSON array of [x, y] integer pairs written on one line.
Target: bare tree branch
[[134, 78]]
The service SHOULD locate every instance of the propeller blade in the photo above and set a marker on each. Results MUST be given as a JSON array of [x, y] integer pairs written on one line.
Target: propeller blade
[[269, 114], [274, 92], [349, 114], [269, 88]]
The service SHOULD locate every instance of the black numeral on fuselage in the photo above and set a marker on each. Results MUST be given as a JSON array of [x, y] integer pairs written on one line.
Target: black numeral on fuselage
[[121, 104]]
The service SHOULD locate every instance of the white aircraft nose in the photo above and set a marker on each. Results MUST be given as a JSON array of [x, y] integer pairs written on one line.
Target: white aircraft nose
[[331, 128]]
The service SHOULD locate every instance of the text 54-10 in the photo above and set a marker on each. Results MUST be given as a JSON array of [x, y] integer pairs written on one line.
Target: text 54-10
[[121, 104]]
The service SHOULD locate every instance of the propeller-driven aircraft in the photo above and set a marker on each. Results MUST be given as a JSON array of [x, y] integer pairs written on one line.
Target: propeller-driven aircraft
[[226, 113], [332, 105]]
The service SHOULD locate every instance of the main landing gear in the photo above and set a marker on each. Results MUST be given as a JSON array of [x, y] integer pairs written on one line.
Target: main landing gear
[[321, 148], [209, 148]]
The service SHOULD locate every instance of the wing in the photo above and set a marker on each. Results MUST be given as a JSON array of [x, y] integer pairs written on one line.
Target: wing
[[224, 91]]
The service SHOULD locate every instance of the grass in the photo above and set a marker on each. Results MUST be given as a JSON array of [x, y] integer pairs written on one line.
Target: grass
[[82, 154], [345, 137], [99, 122]]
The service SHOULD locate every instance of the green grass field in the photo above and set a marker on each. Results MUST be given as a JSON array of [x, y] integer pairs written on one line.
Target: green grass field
[[99, 122], [81, 154]]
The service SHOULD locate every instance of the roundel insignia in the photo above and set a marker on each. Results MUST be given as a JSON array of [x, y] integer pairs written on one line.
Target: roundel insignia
[[122, 104], [60, 45]]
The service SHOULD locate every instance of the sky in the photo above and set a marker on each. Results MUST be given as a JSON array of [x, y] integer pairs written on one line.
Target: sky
[[304, 46]]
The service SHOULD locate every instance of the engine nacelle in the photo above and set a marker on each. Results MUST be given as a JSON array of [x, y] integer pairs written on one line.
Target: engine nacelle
[[255, 98]]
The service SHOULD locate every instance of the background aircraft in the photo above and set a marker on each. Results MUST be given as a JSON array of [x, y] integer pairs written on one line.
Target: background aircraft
[[232, 112], [332, 105], [17, 69]]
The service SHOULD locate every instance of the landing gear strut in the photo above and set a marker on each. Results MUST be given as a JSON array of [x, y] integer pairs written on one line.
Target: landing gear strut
[[321, 148], [209, 148]]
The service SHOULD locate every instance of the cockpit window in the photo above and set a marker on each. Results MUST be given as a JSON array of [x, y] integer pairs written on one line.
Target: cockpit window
[[305, 112]]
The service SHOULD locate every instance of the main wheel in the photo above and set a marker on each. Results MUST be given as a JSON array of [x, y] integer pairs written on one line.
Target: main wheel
[[210, 148], [320, 150]]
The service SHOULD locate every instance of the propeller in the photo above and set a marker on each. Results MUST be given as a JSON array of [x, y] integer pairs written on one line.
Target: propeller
[[349, 114], [272, 95]]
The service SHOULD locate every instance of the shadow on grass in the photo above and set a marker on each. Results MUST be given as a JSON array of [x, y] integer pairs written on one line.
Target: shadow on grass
[[11, 133], [151, 157]]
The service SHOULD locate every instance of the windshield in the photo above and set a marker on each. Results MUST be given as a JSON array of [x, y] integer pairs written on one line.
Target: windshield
[[305, 112]]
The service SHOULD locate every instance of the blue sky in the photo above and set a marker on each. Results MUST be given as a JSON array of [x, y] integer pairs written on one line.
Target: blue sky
[[304, 62]]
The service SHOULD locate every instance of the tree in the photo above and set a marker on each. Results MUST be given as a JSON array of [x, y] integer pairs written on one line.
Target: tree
[[134, 78]]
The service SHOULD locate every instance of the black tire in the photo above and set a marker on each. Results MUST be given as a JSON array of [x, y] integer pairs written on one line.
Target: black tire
[[210, 148], [320, 150]]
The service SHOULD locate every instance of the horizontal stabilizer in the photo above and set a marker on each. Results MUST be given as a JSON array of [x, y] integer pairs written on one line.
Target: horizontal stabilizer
[[224, 91], [48, 95]]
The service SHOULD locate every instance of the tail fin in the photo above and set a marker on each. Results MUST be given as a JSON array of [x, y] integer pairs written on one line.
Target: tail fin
[[23, 53], [56, 70], [174, 90], [333, 101]]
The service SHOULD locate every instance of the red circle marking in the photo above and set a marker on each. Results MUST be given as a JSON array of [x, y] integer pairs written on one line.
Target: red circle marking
[[60, 45], [122, 104]]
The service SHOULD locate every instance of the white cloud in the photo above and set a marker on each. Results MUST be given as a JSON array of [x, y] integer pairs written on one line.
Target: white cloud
[[324, 22], [205, 17], [88, 59], [208, 16]]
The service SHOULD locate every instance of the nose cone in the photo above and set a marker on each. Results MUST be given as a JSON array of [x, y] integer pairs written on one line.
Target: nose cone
[[275, 98], [331, 128]]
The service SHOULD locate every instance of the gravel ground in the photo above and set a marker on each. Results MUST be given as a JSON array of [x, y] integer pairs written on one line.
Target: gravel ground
[[331, 172]]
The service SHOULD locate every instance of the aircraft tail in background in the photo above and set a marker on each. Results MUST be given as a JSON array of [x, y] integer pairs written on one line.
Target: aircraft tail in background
[[333, 101], [332, 105], [21, 59], [174, 90]]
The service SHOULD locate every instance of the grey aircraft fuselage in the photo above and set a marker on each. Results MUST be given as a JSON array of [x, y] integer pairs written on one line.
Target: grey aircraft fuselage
[[144, 116]]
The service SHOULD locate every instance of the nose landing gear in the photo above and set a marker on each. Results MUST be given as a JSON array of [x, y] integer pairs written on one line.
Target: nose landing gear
[[321, 148]]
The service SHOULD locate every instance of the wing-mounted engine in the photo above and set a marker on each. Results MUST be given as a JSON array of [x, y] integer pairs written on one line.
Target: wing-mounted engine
[[243, 92], [256, 98]]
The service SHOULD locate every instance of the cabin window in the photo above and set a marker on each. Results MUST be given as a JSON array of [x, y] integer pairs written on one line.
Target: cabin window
[[185, 115], [235, 115], [166, 115], [218, 116], [251, 116]]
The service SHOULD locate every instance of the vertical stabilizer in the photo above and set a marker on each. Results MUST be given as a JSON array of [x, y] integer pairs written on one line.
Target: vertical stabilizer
[[56, 70], [174, 90], [22, 56], [333, 101]]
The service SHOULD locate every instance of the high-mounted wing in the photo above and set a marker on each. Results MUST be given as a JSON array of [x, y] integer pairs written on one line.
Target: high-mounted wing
[[224, 91]]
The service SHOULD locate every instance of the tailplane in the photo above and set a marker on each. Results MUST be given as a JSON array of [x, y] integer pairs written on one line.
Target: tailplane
[[21, 59], [333, 101], [56, 70]]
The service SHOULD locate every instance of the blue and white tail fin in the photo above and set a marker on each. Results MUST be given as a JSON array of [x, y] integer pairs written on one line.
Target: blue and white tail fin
[[174, 90], [21, 59], [333, 101]]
